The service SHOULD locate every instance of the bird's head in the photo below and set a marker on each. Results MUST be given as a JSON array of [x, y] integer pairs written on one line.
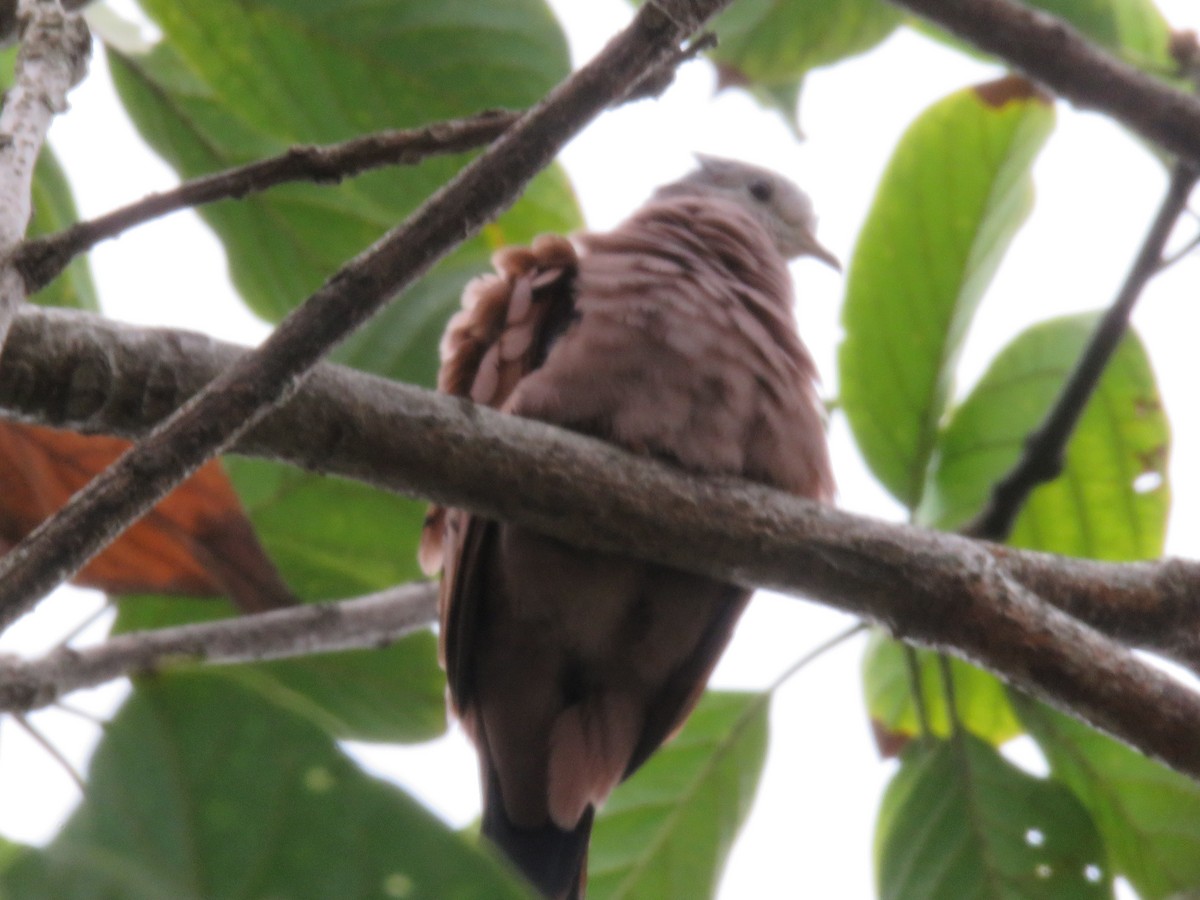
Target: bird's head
[[776, 203]]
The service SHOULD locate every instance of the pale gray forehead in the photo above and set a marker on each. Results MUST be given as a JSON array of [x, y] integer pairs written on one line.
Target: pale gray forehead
[[734, 177]]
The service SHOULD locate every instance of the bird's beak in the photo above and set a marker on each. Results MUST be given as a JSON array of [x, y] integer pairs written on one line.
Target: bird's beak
[[813, 247]]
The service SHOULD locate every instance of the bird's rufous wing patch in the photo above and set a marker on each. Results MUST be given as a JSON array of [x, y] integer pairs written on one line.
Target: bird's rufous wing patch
[[507, 321]]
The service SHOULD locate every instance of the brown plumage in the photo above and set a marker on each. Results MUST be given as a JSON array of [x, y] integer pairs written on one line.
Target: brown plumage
[[671, 336]]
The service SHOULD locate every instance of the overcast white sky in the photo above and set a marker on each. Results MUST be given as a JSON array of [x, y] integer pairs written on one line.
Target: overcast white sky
[[810, 833]]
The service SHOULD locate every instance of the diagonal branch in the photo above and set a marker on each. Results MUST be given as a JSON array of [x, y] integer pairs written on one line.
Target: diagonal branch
[[371, 621], [1043, 457], [41, 260], [238, 397], [940, 590], [1053, 53], [52, 59]]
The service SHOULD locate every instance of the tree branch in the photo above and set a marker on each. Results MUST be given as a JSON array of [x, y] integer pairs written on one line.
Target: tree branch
[[238, 397], [52, 59], [1043, 457], [79, 371], [940, 590], [372, 621], [41, 260], [1050, 51]]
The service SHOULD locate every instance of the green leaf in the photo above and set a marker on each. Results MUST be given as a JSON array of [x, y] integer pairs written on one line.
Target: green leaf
[[393, 693], [1133, 29], [1148, 815], [330, 537], [959, 822], [667, 831], [1112, 500], [981, 701], [777, 42], [202, 791], [235, 81], [955, 192], [53, 210], [10, 853], [364, 64]]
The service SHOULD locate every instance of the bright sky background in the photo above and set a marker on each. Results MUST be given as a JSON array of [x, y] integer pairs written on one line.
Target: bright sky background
[[810, 832]]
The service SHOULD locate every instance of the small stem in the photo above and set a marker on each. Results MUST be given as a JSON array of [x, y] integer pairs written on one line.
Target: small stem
[[816, 653], [916, 688], [1043, 457], [87, 622], [949, 694], [1179, 254], [54, 752], [372, 621], [41, 260]]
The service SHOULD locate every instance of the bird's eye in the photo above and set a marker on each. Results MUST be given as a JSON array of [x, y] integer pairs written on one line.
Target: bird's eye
[[760, 190]]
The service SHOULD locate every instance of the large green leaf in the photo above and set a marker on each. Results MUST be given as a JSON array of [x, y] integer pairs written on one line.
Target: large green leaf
[[331, 68], [393, 693], [778, 41], [981, 703], [770, 45], [954, 193], [1148, 815], [1112, 500], [202, 791], [11, 852], [236, 81], [667, 831], [959, 822], [330, 537]]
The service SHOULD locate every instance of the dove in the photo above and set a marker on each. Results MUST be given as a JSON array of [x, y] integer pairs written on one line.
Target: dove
[[673, 337]]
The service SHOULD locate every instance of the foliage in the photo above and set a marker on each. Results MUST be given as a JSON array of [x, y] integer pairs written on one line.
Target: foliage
[[230, 783]]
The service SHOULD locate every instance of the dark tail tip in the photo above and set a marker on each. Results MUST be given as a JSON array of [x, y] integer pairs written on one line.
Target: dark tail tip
[[554, 860]]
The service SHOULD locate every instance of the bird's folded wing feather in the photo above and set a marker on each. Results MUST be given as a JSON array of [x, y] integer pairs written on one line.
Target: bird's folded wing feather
[[507, 322]]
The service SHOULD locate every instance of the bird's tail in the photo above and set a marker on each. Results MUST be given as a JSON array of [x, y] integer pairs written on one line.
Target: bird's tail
[[553, 859]]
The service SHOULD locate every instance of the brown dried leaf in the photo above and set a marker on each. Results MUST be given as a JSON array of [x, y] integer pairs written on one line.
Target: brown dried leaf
[[196, 542]]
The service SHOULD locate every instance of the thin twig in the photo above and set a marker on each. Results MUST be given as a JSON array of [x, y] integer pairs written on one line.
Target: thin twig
[[372, 621], [830, 643], [764, 697], [88, 621], [1043, 456], [55, 753], [73, 710], [1055, 54], [235, 400], [41, 260], [1180, 254], [916, 687], [949, 694]]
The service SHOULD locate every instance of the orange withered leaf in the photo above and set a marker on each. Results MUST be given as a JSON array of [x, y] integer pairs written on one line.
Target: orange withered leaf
[[196, 542]]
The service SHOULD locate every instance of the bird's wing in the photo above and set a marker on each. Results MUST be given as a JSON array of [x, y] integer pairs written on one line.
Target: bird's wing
[[506, 325]]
